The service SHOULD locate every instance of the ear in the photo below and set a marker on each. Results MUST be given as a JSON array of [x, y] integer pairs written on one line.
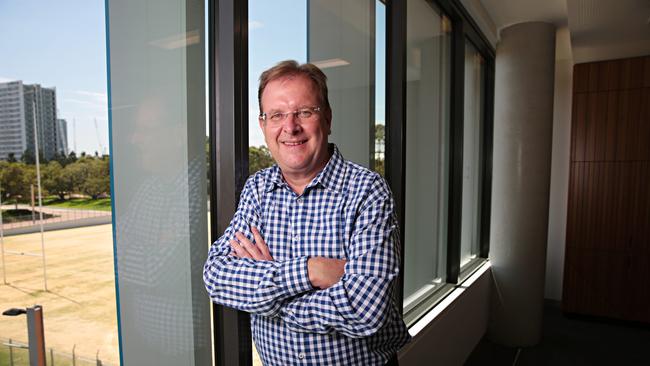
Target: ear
[[328, 121]]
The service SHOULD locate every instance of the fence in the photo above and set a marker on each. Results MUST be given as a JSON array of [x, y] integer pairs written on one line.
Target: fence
[[13, 353], [52, 215]]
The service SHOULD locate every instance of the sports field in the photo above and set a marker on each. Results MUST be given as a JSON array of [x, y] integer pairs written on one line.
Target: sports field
[[79, 307]]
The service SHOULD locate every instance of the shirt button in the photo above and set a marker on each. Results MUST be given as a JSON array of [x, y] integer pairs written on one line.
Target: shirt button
[[295, 237], [299, 200], [301, 355]]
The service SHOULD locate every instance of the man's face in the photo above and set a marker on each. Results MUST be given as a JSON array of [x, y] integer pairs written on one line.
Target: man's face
[[299, 146]]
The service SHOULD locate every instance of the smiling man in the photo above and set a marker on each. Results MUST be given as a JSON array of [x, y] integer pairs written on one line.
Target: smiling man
[[312, 251]]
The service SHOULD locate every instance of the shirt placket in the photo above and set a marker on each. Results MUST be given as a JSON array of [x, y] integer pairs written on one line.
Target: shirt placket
[[297, 229]]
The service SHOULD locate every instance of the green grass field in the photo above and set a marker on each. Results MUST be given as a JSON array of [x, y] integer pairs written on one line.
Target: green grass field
[[20, 356], [101, 204]]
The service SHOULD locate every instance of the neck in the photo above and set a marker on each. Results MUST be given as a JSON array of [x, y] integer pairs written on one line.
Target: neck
[[297, 184], [298, 181]]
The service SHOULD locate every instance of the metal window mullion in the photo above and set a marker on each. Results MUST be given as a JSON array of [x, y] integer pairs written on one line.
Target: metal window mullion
[[395, 147], [488, 123], [228, 127], [456, 150]]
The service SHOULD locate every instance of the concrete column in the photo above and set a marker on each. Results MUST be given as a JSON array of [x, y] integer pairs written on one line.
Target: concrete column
[[523, 123]]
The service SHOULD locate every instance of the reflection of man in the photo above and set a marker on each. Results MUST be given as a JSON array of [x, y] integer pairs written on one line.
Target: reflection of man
[[312, 250]]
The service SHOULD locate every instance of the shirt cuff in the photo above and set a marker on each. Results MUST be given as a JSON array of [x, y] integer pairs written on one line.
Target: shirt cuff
[[295, 277]]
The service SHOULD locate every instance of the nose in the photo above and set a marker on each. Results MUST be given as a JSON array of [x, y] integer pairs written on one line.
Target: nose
[[291, 125]]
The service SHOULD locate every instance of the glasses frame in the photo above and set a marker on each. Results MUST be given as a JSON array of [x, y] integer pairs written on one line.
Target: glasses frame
[[264, 116]]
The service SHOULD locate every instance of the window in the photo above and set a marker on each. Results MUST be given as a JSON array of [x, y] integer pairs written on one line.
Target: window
[[428, 59], [56, 70], [158, 124], [447, 147], [472, 154]]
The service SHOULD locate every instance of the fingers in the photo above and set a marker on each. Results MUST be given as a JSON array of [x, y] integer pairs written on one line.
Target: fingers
[[261, 244], [239, 251], [244, 248]]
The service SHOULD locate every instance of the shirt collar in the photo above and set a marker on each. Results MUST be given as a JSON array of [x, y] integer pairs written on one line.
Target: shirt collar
[[331, 177]]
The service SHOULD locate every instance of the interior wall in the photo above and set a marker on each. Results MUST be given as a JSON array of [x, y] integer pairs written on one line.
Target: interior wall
[[611, 51], [559, 165], [443, 342]]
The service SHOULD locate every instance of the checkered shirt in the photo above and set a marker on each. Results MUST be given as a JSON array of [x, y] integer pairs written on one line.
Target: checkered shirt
[[345, 212]]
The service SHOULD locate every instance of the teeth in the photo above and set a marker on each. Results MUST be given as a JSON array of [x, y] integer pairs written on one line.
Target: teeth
[[294, 143]]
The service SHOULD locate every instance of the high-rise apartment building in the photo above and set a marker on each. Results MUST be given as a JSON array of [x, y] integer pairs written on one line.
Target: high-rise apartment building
[[13, 138], [22, 107], [62, 136]]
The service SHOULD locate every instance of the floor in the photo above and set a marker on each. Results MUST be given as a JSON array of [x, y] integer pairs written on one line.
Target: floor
[[573, 341]]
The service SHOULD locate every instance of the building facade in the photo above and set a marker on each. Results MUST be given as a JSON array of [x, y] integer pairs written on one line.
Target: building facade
[[13, 139], [62, 136], [22, 107]]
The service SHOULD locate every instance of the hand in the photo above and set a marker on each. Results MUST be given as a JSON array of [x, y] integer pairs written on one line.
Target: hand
[[244, 248], [325, 272]]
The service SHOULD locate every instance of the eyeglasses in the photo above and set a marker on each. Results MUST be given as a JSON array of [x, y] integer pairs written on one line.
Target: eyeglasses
[[303, 114]]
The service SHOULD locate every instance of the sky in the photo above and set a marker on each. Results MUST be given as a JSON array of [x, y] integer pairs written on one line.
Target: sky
[[62, 44]]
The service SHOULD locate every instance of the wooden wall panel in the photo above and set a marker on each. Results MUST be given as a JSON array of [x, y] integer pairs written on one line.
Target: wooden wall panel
[[621, 126], [579, 126], [644, 124], [612, 122], [646, 74], [607, 262]]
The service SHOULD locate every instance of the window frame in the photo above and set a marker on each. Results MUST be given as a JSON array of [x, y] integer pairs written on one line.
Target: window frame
[[228, 121], [463, 27], [228, 101]]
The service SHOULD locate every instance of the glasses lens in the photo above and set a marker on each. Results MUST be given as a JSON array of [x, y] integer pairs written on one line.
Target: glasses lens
[[305, 113]]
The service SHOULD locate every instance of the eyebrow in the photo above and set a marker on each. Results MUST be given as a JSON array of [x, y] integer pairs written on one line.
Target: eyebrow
[[275, 110]]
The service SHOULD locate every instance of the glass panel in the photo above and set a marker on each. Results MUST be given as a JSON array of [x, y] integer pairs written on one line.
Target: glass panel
[[157, 94], [427, 149], [56, 238], [270, 40], [342, 43], [472, 147], [378, 162]]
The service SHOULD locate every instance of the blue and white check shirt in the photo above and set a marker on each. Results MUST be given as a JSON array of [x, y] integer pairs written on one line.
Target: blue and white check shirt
[[346, 212]]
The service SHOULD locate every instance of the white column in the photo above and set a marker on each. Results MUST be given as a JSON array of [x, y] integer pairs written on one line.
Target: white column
[[523, 123]]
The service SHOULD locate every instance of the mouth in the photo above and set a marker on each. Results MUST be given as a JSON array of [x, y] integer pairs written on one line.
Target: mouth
[[293, 143]]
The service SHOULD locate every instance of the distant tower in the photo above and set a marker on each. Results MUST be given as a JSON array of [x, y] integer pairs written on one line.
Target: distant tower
[[40, 104], [13, 137], [62, 136]]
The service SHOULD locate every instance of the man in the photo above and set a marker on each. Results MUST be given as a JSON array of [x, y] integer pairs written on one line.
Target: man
[[312, 251]]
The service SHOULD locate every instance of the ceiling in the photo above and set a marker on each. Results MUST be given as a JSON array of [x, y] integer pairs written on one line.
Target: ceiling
[[599, 29]]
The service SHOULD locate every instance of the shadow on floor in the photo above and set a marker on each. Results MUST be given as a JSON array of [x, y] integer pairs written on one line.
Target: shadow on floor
[[574, 341]]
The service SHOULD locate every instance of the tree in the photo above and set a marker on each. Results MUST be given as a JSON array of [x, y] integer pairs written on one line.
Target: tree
[[73, 176], [28, 157], [97, 180], [11, 158], [380, 142], [72, 157], [88, 175], [259, 158], [53, 180], [15, 183]]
